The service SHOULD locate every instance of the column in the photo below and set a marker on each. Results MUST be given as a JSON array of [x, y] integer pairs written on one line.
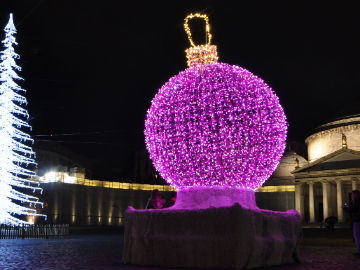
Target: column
[[299, 199], [339, 200], [325, 189], [353, 184], [311, 202]]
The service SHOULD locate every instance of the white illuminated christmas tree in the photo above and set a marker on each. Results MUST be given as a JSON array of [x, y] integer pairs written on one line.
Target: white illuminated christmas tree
[[16, 157]]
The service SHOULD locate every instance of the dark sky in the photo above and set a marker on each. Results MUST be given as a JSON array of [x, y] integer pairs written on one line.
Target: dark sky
[[92, 67]]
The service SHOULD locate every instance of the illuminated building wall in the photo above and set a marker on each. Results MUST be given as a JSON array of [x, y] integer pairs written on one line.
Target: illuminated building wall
[[79, 201], [329, 137], [73, 199], [88, 205]]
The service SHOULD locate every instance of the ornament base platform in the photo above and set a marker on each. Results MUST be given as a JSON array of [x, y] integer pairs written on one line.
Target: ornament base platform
[[212, 228]]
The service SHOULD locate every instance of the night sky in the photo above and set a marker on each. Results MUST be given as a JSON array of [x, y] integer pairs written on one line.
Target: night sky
[[91, 68]]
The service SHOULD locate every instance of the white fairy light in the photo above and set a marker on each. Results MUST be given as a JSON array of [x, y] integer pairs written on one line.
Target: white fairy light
[[15, 155]]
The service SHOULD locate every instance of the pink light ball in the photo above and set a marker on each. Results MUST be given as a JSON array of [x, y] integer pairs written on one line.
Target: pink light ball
[[215, 125]]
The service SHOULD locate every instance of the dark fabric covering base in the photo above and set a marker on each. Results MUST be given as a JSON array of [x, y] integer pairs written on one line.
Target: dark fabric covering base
[[214, 237]]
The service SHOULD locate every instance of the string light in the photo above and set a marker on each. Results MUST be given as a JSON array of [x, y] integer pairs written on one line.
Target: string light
[[215, 125], [207, 27], [15, 155], [202, 54]]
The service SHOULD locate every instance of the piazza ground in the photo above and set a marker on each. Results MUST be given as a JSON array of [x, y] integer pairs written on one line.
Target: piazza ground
[[101, 249]]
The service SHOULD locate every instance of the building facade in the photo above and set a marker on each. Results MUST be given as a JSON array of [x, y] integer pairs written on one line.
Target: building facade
[[71, 198], [325, 183]]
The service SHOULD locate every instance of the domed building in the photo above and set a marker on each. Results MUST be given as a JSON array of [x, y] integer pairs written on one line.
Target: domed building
[[282, 175], [333, 136], [278, 192], [324, 184]]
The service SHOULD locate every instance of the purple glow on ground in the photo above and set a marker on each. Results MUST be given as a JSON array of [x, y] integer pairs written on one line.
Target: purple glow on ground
[[215, 125]]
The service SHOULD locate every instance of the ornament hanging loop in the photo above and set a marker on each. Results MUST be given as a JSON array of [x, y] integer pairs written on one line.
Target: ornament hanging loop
[[200, 54], [207, 27]]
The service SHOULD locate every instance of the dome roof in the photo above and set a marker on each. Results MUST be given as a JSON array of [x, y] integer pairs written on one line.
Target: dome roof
[[331, 136], [339, 122], [287, 164]]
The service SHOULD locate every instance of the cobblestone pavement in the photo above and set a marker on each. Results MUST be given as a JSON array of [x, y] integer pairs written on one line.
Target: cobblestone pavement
[[325, 250], [74, 252], [319, 250]]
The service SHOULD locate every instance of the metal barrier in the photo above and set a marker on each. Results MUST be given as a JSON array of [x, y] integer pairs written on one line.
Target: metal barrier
[[33, 231]]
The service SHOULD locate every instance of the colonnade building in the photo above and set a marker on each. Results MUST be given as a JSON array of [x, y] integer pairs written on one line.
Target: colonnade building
[[324, 184]]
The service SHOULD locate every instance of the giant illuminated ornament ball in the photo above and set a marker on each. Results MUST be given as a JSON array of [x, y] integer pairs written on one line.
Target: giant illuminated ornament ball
[[215, 124]]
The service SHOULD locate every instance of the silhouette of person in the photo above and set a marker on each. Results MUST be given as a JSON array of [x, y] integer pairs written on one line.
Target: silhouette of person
[[156, 201], [354, 210]]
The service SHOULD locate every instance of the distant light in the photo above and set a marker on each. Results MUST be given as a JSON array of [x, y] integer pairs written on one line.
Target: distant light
[[54, 176], [69, 179], [31, 219], [50, 177]]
